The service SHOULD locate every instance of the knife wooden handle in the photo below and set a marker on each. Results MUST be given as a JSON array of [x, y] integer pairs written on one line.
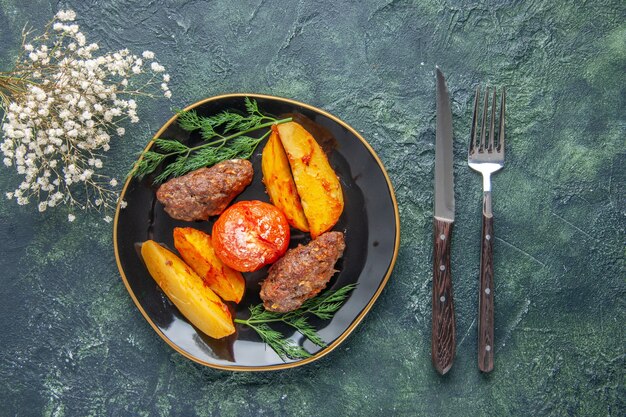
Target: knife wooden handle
[[485, 298], [443, 333]]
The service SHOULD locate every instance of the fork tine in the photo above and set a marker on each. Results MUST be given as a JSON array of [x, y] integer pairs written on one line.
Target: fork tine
[[484, 121], [472, 146], [501, 129], [492, 123]]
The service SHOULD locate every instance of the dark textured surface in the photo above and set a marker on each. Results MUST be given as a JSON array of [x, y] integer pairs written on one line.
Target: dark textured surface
[[74, 344]]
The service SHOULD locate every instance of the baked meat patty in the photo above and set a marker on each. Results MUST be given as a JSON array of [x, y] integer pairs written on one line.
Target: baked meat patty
[[302, 273], [205, 192]]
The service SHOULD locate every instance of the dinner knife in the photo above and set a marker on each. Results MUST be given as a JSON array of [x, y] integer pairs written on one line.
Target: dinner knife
[[443, 329]]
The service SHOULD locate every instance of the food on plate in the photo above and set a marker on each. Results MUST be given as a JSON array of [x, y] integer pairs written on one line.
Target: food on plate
[[323, 136], [250, 234], [205, 192], [302, 273], [316, 181], [197, 302], [196, 249], [279, 182]]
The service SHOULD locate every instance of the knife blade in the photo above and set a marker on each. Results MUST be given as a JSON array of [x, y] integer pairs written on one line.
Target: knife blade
[[443, 322]]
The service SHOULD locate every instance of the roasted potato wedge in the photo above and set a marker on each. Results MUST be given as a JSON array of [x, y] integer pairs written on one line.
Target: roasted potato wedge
[[196, 249], [279, 182], [201, 306], [316, 181]]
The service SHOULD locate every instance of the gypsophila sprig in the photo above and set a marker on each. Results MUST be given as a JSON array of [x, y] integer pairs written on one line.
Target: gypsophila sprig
[[63, 101]]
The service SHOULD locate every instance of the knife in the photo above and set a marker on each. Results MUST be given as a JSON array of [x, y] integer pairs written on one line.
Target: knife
[[443, 331]]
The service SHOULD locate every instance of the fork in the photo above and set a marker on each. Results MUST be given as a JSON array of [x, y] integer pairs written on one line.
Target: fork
[[486, 158]]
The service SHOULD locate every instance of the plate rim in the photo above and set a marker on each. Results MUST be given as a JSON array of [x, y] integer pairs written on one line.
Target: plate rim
[[357, 320]]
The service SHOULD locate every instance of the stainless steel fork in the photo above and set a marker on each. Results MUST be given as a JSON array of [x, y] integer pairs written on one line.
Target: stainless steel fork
[[486, 158]]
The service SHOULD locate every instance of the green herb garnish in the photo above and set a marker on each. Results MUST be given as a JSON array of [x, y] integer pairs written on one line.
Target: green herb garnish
[[323, 306], [224, 135]]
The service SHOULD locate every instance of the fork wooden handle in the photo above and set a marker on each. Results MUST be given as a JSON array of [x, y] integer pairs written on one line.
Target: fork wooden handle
[[485, 298], [443, 343]]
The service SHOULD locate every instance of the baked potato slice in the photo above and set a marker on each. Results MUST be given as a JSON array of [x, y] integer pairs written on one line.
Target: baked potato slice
[[316, 181], [279, 182], [197, 302], [196, 249]]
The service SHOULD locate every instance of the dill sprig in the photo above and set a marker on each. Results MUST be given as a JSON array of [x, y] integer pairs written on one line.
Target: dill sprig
[[323, 306], [225, 137], [284, 347]]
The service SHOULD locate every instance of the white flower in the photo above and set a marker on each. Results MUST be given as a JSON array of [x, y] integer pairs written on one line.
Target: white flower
[[42, 206], [166, 78], [33, 56], [148, 54], [9, 195], [168, 94], [113, 182], [66, 15], [108, 219], [123, 204], [121, 131], [156, 67], [71, 217], [80, 38]]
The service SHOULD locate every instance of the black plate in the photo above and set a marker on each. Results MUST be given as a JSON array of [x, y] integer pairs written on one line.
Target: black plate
[[370, 221]]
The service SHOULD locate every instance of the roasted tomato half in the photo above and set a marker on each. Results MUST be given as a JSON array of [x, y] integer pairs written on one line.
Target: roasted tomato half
[[250, 234]]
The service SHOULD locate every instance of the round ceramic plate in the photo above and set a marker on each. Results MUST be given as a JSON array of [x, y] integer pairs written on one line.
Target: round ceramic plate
[[370, 222]]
